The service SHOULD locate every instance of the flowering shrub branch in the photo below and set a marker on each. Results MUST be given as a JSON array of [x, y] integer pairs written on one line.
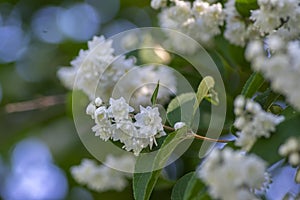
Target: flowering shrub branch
[[260, 40]]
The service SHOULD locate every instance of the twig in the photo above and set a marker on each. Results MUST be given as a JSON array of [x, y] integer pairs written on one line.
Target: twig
[[35, 104], [199, 136], [210, 139], [168, 128]]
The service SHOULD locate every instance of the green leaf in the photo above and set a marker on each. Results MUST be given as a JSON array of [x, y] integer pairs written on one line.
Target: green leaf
[[254, 82], [232, 54], [270, 100], [267, 98], [180, 187], [154, 95], [244, 7], [143, 183], [206, 85], [195, 189], [180, 109], [212, 97], [267, 148]]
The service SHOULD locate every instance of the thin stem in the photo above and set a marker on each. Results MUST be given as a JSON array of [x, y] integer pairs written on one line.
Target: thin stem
[[199, 136], [35, 104], [168, 128], [209, 139]]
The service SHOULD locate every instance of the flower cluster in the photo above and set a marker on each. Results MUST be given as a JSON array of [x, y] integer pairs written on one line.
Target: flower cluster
[[232, 175], [199, 20], [281, 17], [202, 19], [252, 122], [117, 122], [97, 71], [283, 62], [272, 17], [291, 150], [237, 31], [101, 177]]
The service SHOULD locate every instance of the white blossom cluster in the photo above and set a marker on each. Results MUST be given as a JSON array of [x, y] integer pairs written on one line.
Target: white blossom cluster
[[101, 177], [237, 31], [232, 175], [272, 17], [252, 122], [96, 71], [202, 20], [277, 16], [199, 20], [282, 67], [89, 65], [291, 150], [117, 122]]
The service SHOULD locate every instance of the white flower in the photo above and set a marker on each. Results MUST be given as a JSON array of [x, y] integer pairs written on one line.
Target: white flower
[[294, 158], [179, 125], [252, 122], [67, 76], [88, 66], [101, 177], [271, 14], [96, 70], [105, 179], [119, 109], [98, 101], [90, 109], [237, 31], [100, 114], [83, 172], [201, 21], [103, 130], [156, 4], [245, 140], [149, 121], [254, 49], [173, 17], [126, 163], [275, 43], [291, 150], [232, 175]]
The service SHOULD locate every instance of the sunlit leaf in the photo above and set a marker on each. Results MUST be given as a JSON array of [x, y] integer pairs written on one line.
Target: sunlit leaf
[[180, 109]]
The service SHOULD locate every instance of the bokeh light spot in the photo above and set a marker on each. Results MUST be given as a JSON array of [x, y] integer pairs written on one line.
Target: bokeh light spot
[[79, 22], [44, 25]]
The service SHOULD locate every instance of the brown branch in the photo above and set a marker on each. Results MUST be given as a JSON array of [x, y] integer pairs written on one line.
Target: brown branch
[[168, 128], [35, 104]]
